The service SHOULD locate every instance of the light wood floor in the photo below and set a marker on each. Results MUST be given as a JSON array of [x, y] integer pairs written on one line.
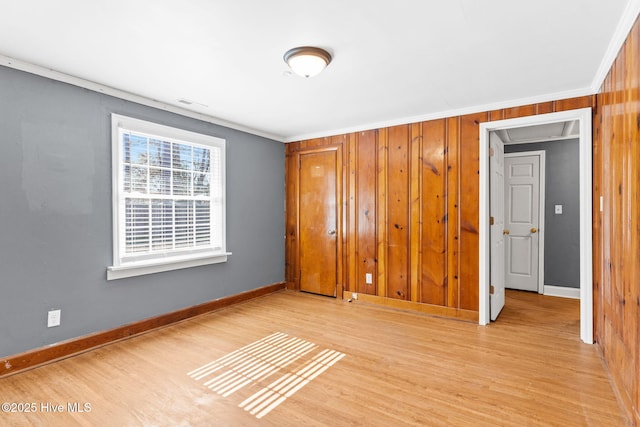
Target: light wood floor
[[293, 359]]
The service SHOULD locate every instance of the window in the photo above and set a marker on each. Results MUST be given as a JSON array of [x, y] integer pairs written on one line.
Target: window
[[168, 198]]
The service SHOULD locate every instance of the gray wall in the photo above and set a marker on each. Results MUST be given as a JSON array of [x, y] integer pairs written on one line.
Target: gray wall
[[562, 232], [56, 225]]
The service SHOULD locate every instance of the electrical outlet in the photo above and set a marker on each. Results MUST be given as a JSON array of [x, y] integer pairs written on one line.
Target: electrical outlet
[[368, 278], [354, 296], [558, 209], [53, 319]]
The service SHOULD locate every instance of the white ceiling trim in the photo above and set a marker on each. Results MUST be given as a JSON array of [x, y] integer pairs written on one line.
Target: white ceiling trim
[[128, 96], [622, 31], [449, 113]]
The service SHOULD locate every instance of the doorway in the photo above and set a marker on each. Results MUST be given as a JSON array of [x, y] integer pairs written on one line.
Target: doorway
[[582, 118]]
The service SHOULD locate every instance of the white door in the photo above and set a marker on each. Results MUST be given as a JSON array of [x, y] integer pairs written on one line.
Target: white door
[[496, 212], [522, 215]]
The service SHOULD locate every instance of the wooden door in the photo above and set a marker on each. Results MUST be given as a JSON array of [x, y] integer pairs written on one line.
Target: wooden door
[[496, 197], [522, 198], [318, 221]]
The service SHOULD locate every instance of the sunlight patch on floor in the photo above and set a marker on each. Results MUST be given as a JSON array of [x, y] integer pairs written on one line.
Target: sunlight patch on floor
[[261, 359], [262, 402]]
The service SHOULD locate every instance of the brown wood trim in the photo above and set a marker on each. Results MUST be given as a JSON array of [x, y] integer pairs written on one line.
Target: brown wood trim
[[437, 310], [291, 285], [33, 358]]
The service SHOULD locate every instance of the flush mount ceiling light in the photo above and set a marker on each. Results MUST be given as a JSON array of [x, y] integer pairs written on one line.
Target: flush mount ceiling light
[[307, 61]]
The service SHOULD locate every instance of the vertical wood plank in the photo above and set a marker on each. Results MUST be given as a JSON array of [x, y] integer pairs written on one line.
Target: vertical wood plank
[[621, 236], [352, 206], [381, 210], [496, 115], [573, 103], [469, 209], [525, 110], [415, 189], [633, 113], [453, 224], [366, 217], [339, 141], [544, 108], [434, 213], [398, 213], [630, 123], [617, 254], [598, 269], [291, 217]]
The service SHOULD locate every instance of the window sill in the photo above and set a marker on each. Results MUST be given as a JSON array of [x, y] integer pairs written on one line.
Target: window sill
[[140, 268]]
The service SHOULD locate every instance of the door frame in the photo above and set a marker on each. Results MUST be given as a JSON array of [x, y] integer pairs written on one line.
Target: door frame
[[541, 207], [584, 117]]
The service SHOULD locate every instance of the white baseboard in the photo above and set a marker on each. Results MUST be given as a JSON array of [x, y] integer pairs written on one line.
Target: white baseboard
[[562, 291]]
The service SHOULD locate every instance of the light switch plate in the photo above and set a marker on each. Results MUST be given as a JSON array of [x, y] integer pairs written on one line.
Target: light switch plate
[[53, 318], [368, 278], [558, 209]]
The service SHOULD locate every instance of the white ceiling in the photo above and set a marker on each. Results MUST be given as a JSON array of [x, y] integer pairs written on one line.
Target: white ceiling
[[393, 61]]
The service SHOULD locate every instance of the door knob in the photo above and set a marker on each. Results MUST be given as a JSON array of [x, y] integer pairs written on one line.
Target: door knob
[[505, 231], [332, 232], [534, 230]]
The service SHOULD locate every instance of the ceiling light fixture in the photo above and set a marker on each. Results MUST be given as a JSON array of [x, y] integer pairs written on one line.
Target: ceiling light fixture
[[307, 61]]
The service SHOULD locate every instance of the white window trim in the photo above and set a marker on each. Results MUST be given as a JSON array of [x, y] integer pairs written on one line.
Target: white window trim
[[164, 262]]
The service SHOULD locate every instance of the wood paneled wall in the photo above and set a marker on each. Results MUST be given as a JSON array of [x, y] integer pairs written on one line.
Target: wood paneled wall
[[616, 255], [411, 208]]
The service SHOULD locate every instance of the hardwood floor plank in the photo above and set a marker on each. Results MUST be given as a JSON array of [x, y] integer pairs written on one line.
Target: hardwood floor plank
[[399, 368]]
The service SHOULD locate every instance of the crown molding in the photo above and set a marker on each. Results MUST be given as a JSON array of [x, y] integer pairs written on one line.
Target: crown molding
[[628, 19], [52, 74], [448, 113]]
